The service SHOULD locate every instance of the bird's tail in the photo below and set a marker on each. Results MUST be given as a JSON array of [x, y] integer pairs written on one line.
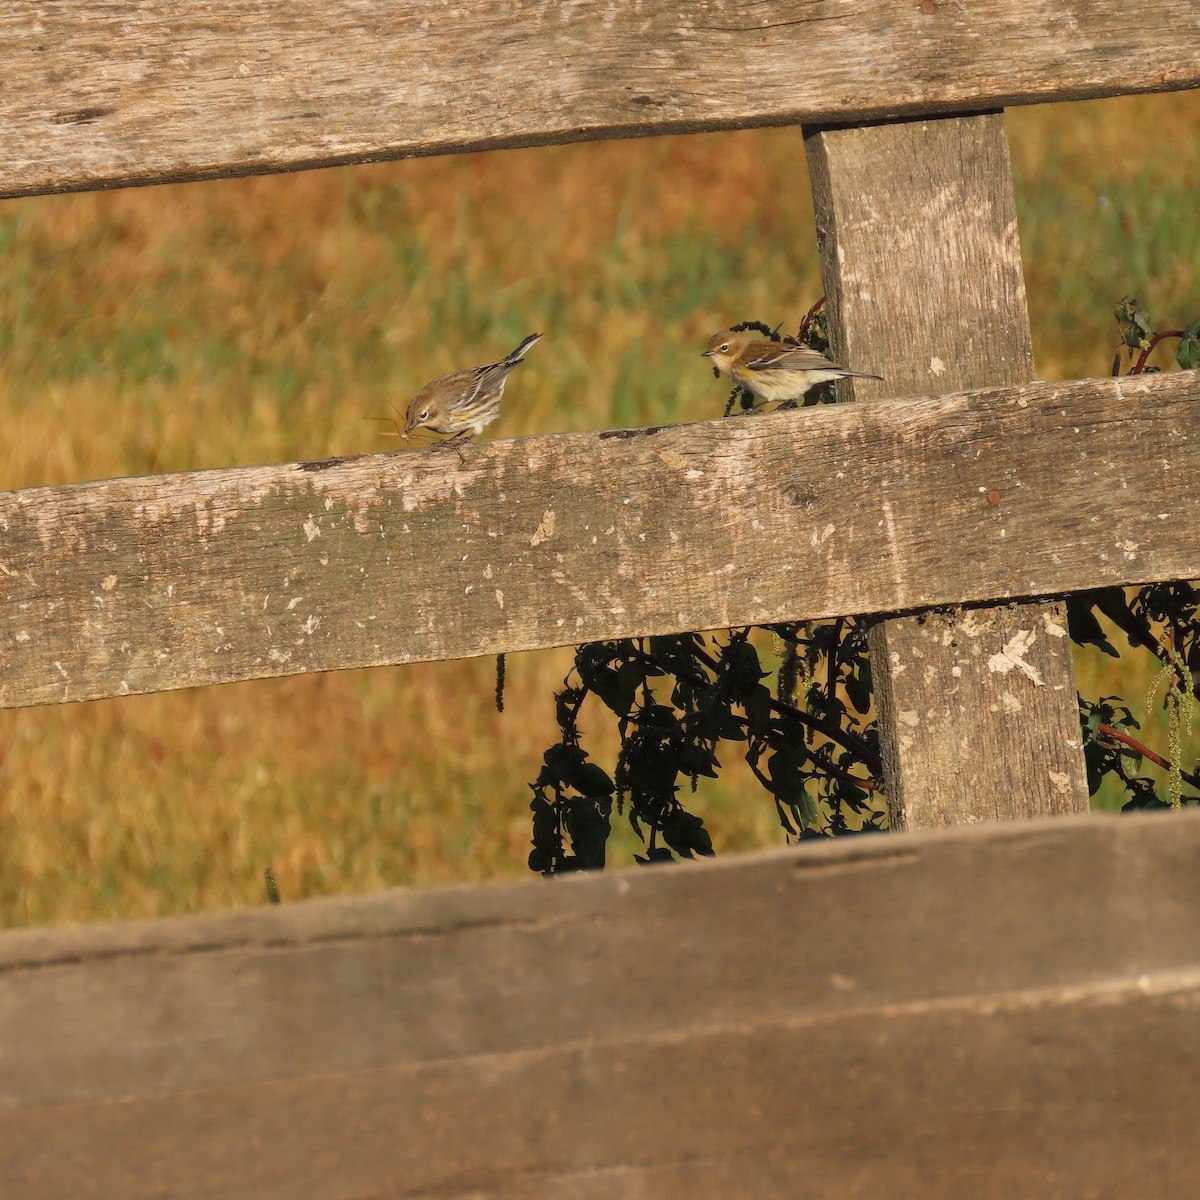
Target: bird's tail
[[864, 375], [519, 353]]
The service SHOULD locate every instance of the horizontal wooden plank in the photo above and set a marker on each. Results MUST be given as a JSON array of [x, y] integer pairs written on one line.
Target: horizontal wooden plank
[[1051, 1099], [101, 93], [1021, 1001], [138, 585]]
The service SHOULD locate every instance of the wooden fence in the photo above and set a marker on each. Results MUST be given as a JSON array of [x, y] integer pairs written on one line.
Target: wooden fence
[[1023, 1024]]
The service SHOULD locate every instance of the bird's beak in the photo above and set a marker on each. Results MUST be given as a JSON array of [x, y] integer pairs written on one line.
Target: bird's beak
[[707, 353]]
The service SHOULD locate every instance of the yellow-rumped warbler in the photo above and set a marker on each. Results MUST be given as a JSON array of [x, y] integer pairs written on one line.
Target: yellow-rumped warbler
[[773, 370], [463, 402]]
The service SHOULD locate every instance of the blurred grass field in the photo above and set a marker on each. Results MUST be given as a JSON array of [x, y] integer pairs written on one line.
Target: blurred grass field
[[262, 320]]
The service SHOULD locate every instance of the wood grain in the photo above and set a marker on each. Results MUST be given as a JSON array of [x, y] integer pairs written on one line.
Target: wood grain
[[922, 267], [136, 585], [1025, 1008], [948, 686], [102, 93]]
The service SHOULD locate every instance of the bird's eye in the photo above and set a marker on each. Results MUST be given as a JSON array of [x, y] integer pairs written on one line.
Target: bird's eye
[[725, 348], [423, 415]]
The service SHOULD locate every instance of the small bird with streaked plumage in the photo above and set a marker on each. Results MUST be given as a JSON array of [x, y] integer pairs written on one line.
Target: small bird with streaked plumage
[[462, 403], [774, 370]]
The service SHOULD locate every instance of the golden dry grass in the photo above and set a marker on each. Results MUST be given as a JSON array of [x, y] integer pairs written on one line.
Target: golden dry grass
[[261, 320]]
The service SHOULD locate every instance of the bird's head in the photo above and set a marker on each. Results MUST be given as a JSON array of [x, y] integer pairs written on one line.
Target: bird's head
[[425, 411], [725, 348]]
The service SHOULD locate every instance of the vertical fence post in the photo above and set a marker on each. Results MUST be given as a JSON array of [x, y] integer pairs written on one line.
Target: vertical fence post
[[922, 269]]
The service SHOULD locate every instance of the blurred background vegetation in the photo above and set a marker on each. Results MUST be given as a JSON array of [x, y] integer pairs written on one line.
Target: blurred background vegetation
[[261, 320]]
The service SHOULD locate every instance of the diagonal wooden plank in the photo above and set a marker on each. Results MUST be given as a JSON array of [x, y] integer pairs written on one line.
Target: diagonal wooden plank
[[136, 585], [922, 265], [1025, 1009], [100, 93]]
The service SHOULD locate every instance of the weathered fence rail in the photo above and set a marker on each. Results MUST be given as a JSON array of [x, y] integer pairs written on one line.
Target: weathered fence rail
[[1018, 1018], [110, 92], [997, 1012], [137, 585], [917, 228]]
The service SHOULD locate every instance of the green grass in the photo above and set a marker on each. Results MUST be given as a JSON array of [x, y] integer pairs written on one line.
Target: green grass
[[1106, 201], [262, 320]]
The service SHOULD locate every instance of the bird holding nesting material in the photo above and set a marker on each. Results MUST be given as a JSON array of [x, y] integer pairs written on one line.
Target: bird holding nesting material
[[462, 403]]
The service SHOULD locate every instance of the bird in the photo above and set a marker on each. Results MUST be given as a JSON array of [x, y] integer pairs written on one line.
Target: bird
[[773, 370], [462, 403]]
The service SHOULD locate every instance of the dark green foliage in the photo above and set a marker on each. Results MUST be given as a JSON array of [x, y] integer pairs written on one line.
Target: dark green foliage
[[805, 723], [1139, 338], [1187, 353], [675, 701], [572, 804], [499, 682]]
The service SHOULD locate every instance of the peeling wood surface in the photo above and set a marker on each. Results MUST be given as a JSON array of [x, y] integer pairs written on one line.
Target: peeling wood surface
[[922, 266], [137, 585], [101, 93], [1024, 1008], [921, 255], [982, 715]]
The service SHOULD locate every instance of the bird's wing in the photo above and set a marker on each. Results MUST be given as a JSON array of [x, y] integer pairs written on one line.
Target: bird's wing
[[778, 356], [456, 385], [483, 379], [491, 376]]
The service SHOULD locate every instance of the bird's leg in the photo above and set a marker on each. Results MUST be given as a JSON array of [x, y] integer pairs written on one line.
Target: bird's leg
[[750, 409], [456, 444]]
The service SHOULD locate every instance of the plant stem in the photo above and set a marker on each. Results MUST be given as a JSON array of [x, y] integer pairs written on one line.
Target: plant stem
[[1118, 735], [1139, 366]]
